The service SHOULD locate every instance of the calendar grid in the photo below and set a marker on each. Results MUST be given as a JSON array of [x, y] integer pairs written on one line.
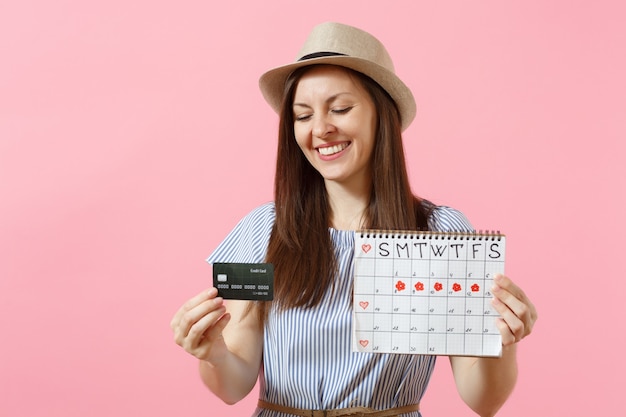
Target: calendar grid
[[426, 293]]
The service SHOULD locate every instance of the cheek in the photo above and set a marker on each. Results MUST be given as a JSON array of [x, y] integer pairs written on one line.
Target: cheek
[[301, 137], [368, 137]]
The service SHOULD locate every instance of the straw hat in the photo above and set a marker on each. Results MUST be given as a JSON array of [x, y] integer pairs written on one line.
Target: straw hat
[[346, 46]]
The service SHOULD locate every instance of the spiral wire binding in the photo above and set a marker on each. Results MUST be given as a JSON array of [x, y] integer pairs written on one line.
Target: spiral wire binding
[[493, 235]]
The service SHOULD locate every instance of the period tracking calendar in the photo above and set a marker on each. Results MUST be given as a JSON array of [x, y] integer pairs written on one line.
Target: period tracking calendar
[[426, 292]]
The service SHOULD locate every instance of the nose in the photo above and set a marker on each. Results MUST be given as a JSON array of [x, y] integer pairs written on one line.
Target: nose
[[322, 126]]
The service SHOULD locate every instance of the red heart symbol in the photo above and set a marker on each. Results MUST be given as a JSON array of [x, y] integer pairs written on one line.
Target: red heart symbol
[[366, 247], [364, 342], [363, 304]]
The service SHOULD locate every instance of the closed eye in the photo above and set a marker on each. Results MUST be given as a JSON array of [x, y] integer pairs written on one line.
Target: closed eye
[[342, 110]]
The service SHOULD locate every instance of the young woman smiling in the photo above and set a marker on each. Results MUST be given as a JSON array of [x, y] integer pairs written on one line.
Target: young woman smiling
[[340, 168]]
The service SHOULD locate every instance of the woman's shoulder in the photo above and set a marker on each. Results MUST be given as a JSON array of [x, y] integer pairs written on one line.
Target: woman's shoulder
[[263, 211], [448, 219], [259, 218], [247, 242]]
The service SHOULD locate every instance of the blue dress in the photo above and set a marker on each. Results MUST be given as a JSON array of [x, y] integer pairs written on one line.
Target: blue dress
[[308, 361]]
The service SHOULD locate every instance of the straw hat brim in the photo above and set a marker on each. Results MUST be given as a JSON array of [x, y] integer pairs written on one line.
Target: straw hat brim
[[272, 82]]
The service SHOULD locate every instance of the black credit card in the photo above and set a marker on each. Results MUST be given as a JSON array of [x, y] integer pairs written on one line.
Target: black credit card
[[240, 281]]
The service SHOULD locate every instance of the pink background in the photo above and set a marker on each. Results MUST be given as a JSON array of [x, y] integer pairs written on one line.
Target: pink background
[[133, 137]]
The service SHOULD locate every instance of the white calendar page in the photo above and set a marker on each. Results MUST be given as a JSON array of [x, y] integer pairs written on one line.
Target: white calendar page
[[426, 293]]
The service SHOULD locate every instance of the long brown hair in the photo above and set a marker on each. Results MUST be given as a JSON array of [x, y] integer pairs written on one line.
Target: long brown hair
[[300, 246]]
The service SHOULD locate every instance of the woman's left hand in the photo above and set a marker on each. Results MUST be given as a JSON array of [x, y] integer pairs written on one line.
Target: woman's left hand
[[518, 314]]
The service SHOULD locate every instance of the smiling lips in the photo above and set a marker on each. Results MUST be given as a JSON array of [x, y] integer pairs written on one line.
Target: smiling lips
[[334, 149]]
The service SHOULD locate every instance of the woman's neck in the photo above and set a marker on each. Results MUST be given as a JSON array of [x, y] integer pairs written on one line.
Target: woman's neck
[[347, 206]]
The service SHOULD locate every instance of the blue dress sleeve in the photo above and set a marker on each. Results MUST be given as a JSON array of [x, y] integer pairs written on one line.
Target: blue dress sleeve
[[247, 242], [448, 219]]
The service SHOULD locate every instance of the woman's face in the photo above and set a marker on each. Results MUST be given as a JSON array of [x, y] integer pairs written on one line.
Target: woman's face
[[335, 125]]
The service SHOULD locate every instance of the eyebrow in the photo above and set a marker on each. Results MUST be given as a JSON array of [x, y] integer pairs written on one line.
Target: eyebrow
[[328, 100]]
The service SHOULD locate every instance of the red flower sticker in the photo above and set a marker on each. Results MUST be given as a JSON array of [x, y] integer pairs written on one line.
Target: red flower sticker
[[419, 286], [438, 286], [456, 287], [475, 288], [400, 286]]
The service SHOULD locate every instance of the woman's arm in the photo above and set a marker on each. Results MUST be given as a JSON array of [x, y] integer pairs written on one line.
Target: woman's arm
[[228, 343], [486, 383]]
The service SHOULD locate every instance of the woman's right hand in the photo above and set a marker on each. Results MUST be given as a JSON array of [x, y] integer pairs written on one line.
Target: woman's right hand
[[230, 370], [198, 326]]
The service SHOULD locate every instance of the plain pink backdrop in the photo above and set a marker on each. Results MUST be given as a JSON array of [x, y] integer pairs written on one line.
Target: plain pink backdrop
[[133, 137]]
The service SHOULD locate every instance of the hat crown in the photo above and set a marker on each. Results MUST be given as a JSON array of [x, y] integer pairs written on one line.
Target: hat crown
[[337, 38]]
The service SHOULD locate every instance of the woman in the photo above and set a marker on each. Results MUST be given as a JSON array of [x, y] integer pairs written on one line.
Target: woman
[[340, 168]]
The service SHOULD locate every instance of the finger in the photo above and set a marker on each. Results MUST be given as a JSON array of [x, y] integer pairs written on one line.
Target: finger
[[506, 283], [208, 310], [508, 338], [516, 300], [206, 329], [511, 302], [216, 330], [192, 303], [512, 328], [212, 339], [510, 286]]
